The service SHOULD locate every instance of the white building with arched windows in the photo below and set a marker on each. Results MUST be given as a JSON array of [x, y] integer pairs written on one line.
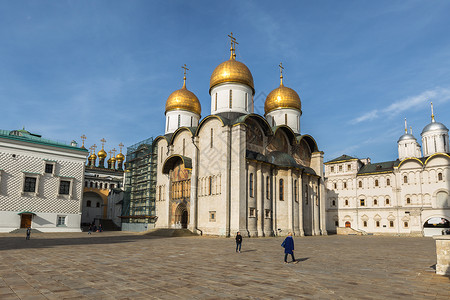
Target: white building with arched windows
[[407, 196]]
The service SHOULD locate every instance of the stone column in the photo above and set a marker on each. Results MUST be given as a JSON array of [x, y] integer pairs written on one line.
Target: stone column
[[274, 202], [259, 194], [300, 205], [290, 201], [193, 221], [323, 226]]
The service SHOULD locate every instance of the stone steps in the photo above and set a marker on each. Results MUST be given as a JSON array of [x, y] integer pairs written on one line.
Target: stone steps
[[168, 232]]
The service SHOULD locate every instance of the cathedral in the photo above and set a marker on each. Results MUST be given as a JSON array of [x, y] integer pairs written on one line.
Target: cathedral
[[408, 196], [235, 170]]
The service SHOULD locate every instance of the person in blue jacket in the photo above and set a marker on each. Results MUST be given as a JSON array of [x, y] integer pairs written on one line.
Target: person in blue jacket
[[288, 245]]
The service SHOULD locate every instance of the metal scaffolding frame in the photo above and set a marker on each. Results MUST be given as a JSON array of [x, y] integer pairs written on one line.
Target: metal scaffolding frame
[[140, 183]]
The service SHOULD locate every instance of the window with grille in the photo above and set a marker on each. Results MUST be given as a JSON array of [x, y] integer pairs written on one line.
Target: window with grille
[[30, 184], [64, 187], [281, 190], [251, 185], [49, 168], [215, 103], [267, 187], [231, 98], [61, 221], [295, 190], [388, 181], [212, 134]]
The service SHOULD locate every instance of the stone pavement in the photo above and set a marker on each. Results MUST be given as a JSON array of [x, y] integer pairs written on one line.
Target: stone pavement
[[119, 265]]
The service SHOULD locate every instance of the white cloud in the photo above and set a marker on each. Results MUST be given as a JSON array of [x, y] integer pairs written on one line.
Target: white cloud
[[438, 95]]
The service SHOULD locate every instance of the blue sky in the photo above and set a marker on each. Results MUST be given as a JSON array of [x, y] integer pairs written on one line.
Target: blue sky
[[106, 68]]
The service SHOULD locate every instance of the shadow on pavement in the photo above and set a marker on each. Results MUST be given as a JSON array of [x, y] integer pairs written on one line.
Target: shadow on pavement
[[41, 241], [302, 259]]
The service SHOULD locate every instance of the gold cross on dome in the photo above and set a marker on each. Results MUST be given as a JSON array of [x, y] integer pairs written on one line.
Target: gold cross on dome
[[94, 147], [233, 45], [120, 147], [281, 73], [83, 137], [185, 69], [103, 142], [114, 151]]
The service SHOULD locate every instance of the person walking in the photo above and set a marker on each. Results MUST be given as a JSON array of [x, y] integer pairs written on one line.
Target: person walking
[[90, 229], [28, 233], [238, 242], [288, 245]]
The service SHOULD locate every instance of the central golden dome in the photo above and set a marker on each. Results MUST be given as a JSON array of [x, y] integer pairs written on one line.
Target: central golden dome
[[120, 157], [282, 97], [183, 99], [102, 154], [231, 71]]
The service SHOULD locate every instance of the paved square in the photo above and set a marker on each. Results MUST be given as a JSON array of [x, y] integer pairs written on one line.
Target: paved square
[[121, 265]]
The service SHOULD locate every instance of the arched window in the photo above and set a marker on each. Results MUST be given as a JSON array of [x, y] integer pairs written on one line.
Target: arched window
[[85, 184], [168, 120], [191, 121], [212, 134], [335, 186], [306, 194], [365, 223], [405, 179], [215, 103], [405, 224], [333, 203], [88, 203], [91, 184], [346, 202], [360, 184], [345, 185], [251, 185], [391, 223], [267, 187], [295, 190], [96, 185], [281, 190], [231, 98], [388, 181], [440, 176], [377, 223], [101, 185], [375, 202], [179, 120], [246, 101], [98, 204], [408, 200], [159, 193], [210, 185], [111, 186], [376, 182], [388, 201], [285, 119]]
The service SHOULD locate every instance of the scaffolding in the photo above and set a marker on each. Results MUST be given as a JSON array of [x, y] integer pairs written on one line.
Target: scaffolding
[[140, 183]]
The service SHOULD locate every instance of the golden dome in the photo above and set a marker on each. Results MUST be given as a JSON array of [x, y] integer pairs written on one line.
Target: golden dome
[[120, 157], [231, 71], [102, 154], [282, 97], [183, 99], [92, 156]]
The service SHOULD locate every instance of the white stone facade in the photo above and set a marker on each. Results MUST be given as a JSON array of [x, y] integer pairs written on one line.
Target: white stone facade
[[228, 190], [55, 203]]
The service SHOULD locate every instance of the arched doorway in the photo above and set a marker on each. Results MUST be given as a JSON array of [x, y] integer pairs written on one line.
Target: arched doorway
[[181, 216], [348, 224], [435, 226]]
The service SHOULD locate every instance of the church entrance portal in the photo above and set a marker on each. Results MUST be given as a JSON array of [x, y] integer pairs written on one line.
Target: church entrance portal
[[348, 224], [25, 220], [181, 216]]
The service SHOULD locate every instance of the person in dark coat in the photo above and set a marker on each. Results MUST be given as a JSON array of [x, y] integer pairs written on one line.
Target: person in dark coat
[[28, 233], [288, 245], [238, 241]]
